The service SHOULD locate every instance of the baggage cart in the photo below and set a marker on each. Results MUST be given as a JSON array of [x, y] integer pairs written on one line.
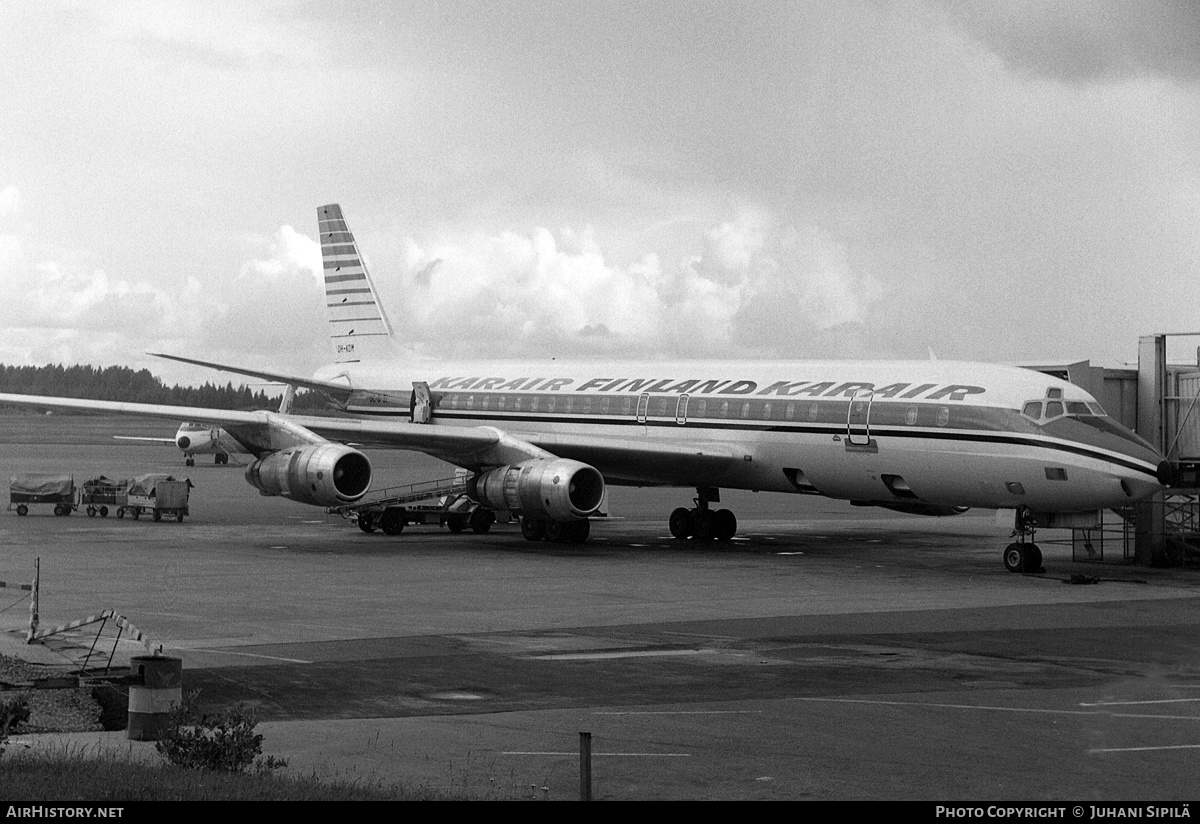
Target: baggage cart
[[34, 488], [158, 495], [98, 494]]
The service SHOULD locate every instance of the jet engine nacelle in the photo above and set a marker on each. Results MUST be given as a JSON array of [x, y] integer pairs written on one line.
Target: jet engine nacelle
[[326, 474], [554, 489]]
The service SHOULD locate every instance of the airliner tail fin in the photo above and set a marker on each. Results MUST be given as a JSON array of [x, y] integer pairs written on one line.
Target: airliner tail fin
[[358, 326]]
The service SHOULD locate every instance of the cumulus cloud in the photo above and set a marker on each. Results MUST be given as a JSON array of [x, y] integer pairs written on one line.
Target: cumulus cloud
[[56, 308], [754, 287]]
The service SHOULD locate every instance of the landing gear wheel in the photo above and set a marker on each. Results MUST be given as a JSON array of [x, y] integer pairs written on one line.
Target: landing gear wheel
[[456, 523], [703, 524], [1033, 558], [135, 513], [680, 523], [190, 462], [91, 512], [533, 529], [221, 459], [481, 521], [577, 532], [556, 532], [22, 509], [1014, 557], [1023, 558], [103, 512], [725, 525], [157, 515], [120, 512], [365, 523], [392, 521]]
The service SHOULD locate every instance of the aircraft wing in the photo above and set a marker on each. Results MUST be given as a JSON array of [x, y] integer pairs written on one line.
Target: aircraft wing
[[643, 461], [623, 460], [337, 390]]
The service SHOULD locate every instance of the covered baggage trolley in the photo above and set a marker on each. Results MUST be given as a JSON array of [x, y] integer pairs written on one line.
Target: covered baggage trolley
[[39, 488], [158, 495], [98, 494]]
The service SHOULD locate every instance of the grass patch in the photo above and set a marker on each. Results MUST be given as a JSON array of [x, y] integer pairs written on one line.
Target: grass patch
[[76, 775]]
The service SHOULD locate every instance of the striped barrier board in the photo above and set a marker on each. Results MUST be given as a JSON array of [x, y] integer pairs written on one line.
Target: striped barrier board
[[135, 634]]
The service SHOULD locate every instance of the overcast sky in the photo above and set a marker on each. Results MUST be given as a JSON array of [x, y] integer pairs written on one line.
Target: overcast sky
[[1000, 181]]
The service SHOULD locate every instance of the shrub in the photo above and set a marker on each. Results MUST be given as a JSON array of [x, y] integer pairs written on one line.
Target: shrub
[[13, 713], [221, 741]]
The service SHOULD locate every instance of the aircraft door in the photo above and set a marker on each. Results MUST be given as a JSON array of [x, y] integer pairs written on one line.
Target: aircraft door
[[858, 419], [421, 403], [643, 407]]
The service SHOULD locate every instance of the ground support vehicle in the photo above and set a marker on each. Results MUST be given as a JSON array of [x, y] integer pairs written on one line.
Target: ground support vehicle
[[34, 488], [158, 495], [98, 494], [441, 502]]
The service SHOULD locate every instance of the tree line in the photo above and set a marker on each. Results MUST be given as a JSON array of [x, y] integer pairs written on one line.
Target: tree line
[[120, 383]]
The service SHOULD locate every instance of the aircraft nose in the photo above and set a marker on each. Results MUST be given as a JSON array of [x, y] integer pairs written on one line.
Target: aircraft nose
[[1166, 473]]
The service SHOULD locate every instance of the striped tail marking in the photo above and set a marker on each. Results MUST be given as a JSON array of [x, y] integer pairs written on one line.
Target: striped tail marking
[[351, 301]]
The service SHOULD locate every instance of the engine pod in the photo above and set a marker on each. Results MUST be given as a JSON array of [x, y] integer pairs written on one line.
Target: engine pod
[[555, 489], [325, 474]]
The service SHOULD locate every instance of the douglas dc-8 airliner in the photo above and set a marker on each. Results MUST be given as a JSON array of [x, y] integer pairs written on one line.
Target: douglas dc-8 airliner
[[544, 439]]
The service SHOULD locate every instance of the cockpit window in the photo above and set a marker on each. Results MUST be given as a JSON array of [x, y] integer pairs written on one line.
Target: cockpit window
[[1047, 410]]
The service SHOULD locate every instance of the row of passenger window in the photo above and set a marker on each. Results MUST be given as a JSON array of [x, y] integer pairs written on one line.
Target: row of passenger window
[[682, 408]]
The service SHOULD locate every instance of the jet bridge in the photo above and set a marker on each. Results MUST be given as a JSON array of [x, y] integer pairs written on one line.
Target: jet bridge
[[1160, 401]]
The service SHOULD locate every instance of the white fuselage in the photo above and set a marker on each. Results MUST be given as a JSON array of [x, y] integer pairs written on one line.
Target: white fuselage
[[893, 432]]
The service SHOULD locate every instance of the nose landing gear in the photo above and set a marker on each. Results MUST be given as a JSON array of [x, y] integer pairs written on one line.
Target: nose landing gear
[[1023, 556]]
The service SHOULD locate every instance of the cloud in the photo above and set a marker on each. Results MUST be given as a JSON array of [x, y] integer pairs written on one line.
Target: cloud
[[58, 308], [1088, 40], [10, 203], [754, 287]]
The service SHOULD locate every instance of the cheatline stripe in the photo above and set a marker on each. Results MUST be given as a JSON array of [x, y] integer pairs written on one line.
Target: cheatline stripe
[[351, 320], [351, 303], [362, 335], [693, 425], [344, 278]]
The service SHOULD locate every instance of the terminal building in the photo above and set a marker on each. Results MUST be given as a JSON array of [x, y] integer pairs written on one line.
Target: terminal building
[[1161, 402]]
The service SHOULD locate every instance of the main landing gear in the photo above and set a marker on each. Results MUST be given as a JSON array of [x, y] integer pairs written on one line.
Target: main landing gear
[[1022, 556], [557, 532], [701, 522], [220, 459]]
